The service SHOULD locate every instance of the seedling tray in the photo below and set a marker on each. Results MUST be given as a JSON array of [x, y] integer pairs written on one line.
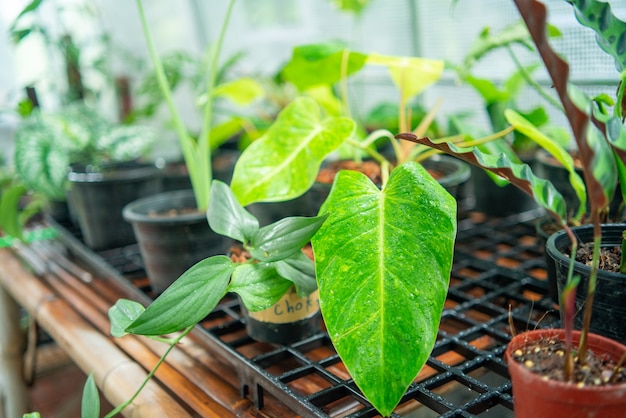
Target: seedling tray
[[498, 278]]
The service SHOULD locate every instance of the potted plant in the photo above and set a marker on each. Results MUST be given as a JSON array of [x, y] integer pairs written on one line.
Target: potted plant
[[540, 387], [76, 153], [171, 227]]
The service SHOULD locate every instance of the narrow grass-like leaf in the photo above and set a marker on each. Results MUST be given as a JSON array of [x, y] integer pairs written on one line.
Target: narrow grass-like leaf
[[383, 261], [90, 404], [188, 300]]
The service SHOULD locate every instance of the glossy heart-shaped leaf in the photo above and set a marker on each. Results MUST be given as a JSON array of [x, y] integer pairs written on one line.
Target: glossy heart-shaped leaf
[[188, 300], [383, 262], [283, 163], [259, 285], [227, 217]]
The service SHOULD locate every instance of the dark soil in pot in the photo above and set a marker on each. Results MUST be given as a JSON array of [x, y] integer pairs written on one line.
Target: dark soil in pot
[[535, 360]]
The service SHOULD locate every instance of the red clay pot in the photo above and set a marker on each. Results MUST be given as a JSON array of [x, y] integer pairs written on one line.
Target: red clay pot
[[537, 398]]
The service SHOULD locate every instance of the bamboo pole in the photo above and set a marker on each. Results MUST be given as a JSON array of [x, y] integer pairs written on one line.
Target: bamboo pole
[[115, 373], [13, 392]]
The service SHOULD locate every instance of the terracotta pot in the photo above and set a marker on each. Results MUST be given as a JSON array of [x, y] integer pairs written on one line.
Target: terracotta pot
[[535, 397]]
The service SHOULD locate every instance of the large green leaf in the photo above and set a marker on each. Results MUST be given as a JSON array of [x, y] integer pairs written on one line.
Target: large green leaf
[[188, 300], [283, 164], [316, 64], [383, 261]]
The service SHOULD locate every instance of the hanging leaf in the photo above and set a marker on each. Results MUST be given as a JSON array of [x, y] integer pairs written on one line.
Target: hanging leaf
[[383, 261], [520, 175], [410, 75], [300, 270], [283, 164]]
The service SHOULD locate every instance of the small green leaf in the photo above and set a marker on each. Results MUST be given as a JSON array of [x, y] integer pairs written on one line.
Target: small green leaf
[[300, 270], [10, 209], [188, 300], [32, 415], [383, 261], [284, 238], [90, 405], [259, 285], [242, 91], [122, 314], [283, 163], [227, 217]]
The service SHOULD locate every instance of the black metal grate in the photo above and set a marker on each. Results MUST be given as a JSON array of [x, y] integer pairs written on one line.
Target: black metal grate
[[498, 273]]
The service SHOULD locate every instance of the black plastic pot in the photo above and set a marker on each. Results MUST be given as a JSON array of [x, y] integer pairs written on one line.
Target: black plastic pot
[[171, 243], [289, 320], [609, 307], [494, 200], [98, 197]]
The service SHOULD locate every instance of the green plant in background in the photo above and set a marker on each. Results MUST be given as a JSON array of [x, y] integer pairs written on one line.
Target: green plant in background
[[46, 144]]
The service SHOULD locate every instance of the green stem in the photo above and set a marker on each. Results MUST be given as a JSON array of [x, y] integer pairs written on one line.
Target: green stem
[[205, 167], [531, 81], [173, 344], [617, 109], [186, 142], [591, 291], [372, 152]]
